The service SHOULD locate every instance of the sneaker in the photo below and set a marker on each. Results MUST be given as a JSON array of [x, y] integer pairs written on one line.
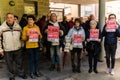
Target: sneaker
[[32, 76], [108, 70], [112, 72]]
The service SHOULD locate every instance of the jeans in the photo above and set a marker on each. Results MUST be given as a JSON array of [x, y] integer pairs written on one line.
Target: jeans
[[110, 50], [33, 59], [11, 57], [55, 53]]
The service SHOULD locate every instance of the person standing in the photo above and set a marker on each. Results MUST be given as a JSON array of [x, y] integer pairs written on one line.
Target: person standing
[[87, 23], [66, 24], [111, 32], [23, 21], [54, 44], [10, 46], [77, 36], [71, 22], [41, 22], [93, 46], [16, 19], [44, 39], [31, 35]]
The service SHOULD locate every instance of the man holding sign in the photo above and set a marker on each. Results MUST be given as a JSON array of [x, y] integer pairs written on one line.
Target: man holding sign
[[111, 32]]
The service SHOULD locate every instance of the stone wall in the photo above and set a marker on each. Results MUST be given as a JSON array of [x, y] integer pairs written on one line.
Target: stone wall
[[18, 9], [43, 7]]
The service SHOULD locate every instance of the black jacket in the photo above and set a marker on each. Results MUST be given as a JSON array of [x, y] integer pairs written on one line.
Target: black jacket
[[93, 45], [87, 25], [23, 22], [66, 25], [111, 37], [45, 34]]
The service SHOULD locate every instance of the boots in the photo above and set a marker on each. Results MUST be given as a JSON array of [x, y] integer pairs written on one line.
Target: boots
[[78, 66], [58, 68], [78, 69], [52, 67], [73, 68]]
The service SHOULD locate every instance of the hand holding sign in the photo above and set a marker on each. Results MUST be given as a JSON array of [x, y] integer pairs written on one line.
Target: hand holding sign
[[61, 32], [88, 40], [99, 40]]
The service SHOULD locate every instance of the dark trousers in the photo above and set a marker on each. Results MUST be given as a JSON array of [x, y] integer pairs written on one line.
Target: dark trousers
[[48, 51], [110, 50], [78, 51], [92, 59], [33, 54], [12, 57]]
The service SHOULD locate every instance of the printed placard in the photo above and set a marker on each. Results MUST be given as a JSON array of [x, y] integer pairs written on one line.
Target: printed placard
[[33, 35], [111, 25], [77, 40], [53, 34], [94, 34]]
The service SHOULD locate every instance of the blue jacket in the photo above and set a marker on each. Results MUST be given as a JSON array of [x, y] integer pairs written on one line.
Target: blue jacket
[[111, 37]]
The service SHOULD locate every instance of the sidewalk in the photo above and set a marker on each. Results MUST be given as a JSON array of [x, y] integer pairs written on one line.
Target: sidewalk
[[67, 74]]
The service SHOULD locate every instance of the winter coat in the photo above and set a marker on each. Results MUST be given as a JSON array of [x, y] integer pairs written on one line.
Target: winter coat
[[111, 37], [93, 45], [10, 37], [74, 31], [25, 36]]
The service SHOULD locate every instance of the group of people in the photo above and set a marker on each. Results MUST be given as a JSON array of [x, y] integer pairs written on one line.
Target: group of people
[[83, 35]]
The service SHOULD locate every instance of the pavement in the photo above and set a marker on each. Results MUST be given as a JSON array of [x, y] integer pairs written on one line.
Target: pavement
[[66, 73]]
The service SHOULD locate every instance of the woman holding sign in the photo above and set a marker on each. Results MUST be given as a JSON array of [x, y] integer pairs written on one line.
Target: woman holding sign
[[77, 36], [93, 37], [53, 32], [31, 34], [111, 32]]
